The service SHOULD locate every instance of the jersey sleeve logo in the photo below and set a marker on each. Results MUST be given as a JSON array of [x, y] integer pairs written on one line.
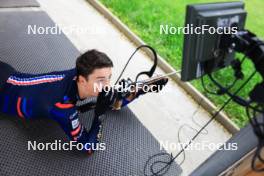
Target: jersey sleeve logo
[[75, 123]]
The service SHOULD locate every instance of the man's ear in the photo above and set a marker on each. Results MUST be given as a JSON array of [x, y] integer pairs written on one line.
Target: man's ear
[[82, 79]]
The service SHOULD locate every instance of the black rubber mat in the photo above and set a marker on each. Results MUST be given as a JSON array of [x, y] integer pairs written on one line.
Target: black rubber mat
[[30, 52], [128, 143], [18, 3]]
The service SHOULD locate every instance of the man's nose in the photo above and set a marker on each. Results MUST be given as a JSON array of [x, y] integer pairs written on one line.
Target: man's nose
[[107, 83]]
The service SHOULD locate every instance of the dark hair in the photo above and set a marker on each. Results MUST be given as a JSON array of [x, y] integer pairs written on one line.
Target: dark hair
[[91, 60]]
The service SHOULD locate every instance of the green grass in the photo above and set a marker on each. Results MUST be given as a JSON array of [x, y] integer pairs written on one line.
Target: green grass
[[145, 17]]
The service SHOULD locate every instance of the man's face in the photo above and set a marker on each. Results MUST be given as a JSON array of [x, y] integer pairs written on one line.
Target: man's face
[[93, 84]]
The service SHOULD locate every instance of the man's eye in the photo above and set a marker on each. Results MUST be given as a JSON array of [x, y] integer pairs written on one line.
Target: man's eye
[[100, 81]]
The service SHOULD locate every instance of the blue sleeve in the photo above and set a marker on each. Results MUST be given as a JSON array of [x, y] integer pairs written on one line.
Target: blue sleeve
[[69, 121]]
